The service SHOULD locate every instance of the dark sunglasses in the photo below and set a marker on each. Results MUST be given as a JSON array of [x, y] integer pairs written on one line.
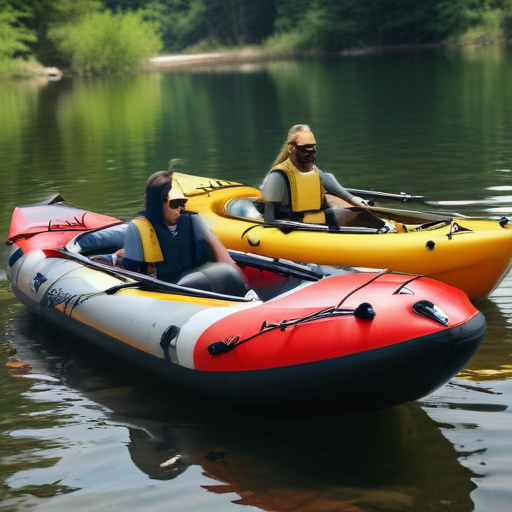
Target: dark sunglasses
[[305, 148], [177, 203]]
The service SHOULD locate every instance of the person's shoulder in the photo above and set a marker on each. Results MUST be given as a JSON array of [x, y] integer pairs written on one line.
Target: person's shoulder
[[189, 215], [275, 174], [281, 166], [137, 217], [139, 220], [189, 218], [194, 218], [274, 178]]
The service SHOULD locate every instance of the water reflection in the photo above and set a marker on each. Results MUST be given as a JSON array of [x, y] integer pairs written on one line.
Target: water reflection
[[493, 360], [81, 413], [474, 409], [427, 122]]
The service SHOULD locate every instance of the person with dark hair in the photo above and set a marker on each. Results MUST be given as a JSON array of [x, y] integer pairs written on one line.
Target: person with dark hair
[[175, 245], [296, 189]]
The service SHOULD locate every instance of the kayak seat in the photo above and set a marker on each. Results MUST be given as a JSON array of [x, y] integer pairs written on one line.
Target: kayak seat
[[216, 277], [244, 207]]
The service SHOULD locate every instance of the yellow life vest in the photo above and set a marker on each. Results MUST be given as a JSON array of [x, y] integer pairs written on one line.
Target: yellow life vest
[[306, 192], [150, 245]]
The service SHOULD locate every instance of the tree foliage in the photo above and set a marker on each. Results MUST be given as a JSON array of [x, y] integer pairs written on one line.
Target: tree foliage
[[107, 42], [15, 39], [210, 23], [43, 15], [59, 32], [332, 25], [14, 35]]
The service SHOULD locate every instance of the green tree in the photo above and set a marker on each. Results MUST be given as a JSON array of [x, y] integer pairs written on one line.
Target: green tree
[[211, 23], [238, 22], [507, 22], [420, 21], [106, 42], [15, 39], [14, 36], [43, 15], [332, 25]]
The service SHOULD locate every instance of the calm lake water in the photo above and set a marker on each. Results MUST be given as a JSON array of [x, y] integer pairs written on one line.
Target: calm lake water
[[79, 431]]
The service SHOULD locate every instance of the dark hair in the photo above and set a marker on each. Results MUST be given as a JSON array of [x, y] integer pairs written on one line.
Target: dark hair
[[157, 189]]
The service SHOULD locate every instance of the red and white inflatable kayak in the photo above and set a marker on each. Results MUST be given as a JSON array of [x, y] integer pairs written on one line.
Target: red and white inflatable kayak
[[300, 343]]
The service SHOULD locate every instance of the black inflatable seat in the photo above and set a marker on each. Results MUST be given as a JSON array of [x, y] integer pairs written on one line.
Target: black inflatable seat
[[216, 277]]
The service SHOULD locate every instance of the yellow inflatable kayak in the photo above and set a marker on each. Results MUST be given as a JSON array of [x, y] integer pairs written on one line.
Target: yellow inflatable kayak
[[470, 253]]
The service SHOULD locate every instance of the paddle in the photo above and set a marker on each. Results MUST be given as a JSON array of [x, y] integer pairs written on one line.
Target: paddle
[[412, 216], [288, 226], [425, 216], [376, 194], [277, 265], [142, 280]]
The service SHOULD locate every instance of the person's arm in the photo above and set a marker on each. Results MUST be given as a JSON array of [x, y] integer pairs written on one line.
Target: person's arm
[[332, 186], [105, 240], [133, 258], [273, 192], [269, 213]]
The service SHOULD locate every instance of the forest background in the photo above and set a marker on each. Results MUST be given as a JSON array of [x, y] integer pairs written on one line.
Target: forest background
[[112, 36]]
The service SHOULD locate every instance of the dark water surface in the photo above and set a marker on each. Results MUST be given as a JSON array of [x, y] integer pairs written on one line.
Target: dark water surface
[[79, 431]]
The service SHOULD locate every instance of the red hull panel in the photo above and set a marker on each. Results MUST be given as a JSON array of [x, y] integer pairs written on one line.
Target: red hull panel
[[394, 322]]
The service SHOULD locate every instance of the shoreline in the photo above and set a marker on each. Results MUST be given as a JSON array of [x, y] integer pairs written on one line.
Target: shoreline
[[182, 60], [248, 56]]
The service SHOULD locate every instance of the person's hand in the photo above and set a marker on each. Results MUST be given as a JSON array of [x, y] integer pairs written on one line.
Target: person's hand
[[359, 201]]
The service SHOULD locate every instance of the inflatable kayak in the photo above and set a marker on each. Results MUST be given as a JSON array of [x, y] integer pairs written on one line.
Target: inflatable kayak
[[299, 342], [469, 253]]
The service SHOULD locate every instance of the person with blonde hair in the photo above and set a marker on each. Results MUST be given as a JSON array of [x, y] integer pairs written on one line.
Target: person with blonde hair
[[296, 189]]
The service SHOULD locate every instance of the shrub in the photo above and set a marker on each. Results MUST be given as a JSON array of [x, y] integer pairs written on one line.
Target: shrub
[[103, 42], [489, 29], [20, 68]]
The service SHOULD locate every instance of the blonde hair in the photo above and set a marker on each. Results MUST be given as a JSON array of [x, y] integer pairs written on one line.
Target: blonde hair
[[292, 137]]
